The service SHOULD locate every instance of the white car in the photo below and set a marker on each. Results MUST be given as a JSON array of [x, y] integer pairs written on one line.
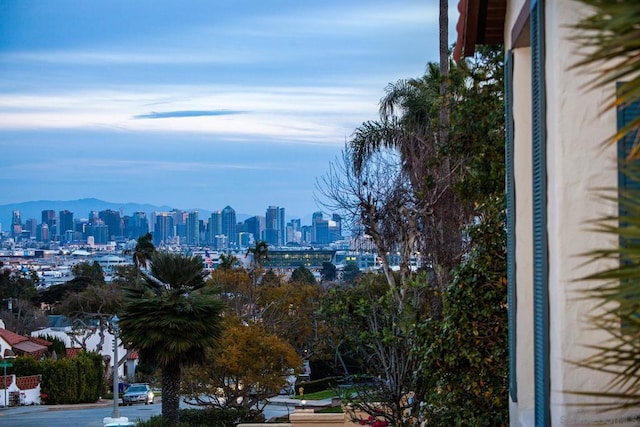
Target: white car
[[138, 393]]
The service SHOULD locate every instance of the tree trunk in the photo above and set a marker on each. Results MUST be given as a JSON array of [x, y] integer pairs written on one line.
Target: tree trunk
[[171, 394]]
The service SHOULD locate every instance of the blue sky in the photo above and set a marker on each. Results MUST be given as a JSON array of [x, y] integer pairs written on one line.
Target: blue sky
[[195, 104]]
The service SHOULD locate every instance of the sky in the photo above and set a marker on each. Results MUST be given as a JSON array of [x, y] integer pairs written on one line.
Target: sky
[[196, 103]]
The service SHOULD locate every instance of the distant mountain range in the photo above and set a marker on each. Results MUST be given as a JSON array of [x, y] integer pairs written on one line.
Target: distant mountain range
[[82, 207]]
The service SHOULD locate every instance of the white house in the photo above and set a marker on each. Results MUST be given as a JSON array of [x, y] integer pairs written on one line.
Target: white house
[[555, 163]]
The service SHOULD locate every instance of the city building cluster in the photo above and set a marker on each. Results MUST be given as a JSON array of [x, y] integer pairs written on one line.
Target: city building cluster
[[220, 231]]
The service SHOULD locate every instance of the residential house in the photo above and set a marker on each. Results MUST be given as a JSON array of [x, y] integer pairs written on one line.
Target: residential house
[[22, 345], [556, 162]]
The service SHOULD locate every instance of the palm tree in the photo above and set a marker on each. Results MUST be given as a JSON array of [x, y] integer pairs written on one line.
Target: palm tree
[[144, 251], [259, 254], [172, 318]]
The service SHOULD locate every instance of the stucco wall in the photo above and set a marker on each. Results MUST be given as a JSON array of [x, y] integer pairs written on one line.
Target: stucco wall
[[578, 164]]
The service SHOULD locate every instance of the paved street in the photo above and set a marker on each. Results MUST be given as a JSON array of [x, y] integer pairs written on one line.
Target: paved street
[[93, 414]]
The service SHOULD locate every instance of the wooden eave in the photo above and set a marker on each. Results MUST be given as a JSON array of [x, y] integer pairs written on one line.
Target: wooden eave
[[481, 22]]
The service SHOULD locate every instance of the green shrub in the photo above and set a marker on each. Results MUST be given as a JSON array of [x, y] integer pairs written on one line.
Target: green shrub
[[76, 380], [23, 366], [211, 417]]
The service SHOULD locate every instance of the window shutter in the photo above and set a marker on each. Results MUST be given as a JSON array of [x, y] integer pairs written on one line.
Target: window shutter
[[540, 243], [625, 115], [511, 226]]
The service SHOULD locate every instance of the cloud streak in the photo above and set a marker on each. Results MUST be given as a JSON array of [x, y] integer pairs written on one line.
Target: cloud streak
[[188, 113]]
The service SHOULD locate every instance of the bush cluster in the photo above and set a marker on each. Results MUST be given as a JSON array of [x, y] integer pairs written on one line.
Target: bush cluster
[[76, 380], [210, 417]]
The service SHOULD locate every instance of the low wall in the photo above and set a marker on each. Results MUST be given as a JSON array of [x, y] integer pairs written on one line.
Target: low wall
[[21, 391], [309, 418]]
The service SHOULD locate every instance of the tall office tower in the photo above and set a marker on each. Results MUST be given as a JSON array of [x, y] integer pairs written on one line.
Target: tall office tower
[[271, 226], [82, 228], [282, 227], [254, 226], [244, 239], [294, 232], [65, 223], [100, 234], [317, 216], [16, 224], [229, 226], [307, 233], [138, 225], [193, 229], [202, 230], [93, 217], [42, 233], [336, 232], [49, 218], [163, 229], [214, 227], [31, 225], [113, 221], [322, 231], [275, 230]]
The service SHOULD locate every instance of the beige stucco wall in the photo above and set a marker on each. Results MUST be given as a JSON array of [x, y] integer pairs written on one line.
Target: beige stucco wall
[[524, 235], [578, 164]]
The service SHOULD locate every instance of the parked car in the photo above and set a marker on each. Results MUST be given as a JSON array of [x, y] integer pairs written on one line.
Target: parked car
[[138, 393]]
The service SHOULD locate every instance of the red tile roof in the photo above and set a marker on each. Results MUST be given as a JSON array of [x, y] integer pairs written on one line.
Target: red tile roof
[[11, 337]]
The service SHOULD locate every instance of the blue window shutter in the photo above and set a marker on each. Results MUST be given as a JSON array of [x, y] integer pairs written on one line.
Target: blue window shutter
[[511, 225], [625, 115], [540, 242]]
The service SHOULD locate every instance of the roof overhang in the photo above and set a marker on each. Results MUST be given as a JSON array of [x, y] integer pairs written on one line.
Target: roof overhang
[[481, 22]]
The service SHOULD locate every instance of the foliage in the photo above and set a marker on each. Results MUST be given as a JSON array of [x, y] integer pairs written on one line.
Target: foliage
[[76, 380], [368, 323], [171, 318], [350, 272], [329, 272], [209, 417], [271, 278], [618, 303], [228, 262], [24, 366], [24, 317], [143, 251], [19, 287], [235, 288], [17, 284], [92, 272], [465, 354], [288, 310], [57, 345], [608, 36], [249, 366], [302, 275]]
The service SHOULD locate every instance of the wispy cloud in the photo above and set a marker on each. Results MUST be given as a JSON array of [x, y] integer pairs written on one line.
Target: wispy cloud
[[187, 113]]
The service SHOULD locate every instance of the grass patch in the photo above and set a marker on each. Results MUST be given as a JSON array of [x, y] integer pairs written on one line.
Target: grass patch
[[331, 410]]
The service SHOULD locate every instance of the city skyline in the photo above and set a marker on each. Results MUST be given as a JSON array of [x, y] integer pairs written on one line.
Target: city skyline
[[221, 230], [202, 106]]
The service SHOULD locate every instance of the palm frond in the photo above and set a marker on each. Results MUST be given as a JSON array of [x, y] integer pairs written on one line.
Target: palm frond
[[609, 38]]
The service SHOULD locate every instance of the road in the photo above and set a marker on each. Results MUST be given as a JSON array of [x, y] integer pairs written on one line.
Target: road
[[71, 416]]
